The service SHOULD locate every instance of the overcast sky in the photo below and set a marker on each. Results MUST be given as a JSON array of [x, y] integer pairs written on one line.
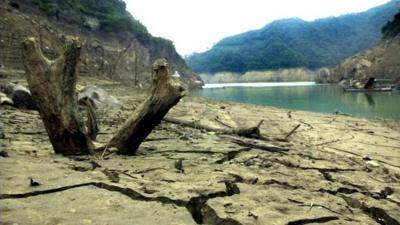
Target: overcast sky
[[195, 25]]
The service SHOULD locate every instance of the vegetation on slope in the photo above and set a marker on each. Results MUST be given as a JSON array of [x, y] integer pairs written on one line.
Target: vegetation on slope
[[291, 43], [111, 14], [392, 28]]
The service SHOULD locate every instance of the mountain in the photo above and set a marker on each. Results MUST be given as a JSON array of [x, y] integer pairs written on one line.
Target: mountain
[[380, 61], [392, 28], [116, 44], [290, 43]]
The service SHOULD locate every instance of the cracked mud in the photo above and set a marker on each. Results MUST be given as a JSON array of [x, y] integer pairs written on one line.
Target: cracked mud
[[337, 170]]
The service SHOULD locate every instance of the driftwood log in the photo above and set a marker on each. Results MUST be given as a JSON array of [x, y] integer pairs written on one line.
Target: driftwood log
[[53, 85], [253, 143], [166, 93], [250, 132]]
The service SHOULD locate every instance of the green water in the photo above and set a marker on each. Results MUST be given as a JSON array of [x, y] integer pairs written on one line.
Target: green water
[[316, 98]]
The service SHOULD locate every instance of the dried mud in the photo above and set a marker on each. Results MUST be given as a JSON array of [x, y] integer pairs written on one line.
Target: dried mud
[[338, 170]]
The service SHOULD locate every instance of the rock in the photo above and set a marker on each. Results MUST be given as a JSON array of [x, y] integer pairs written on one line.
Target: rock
[[19, 96], [4, 154], [367, 158], [373, 163], [22, 99], [4, 100], [14, 5], [365, 63], [7, 88], [253, 214], [33, 183], [100, 97], [179, 165]]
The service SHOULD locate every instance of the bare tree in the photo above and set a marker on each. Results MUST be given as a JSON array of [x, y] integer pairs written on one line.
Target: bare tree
[[121, 54]]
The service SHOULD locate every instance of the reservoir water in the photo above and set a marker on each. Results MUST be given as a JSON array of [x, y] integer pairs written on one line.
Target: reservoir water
[[309, 96]]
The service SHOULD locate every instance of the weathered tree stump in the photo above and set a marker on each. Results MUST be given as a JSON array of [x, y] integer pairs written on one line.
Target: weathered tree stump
[[166, 92], [52, 84]]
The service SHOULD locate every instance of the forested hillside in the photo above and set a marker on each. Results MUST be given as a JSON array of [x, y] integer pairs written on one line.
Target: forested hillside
[[294, 42], [112, 14], [380, 61], [392, 28]]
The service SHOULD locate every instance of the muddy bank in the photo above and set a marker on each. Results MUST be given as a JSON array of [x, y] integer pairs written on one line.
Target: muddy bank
[[338, 170]]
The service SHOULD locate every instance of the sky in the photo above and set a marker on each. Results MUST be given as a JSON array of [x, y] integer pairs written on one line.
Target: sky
[[196, 25]]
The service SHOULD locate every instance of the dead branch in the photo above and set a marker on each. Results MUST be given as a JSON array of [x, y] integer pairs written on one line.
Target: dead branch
[[250, 132], [292, 131], [252, 143], [91, 122], [289, 114], [120, 56], [223, 123]]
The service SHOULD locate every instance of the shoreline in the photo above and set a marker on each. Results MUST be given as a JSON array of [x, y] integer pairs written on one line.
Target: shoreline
[[260, 84], [313, 98], [298, 110]]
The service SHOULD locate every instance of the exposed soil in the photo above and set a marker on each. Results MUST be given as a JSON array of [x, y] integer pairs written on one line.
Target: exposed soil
[[338, 170]]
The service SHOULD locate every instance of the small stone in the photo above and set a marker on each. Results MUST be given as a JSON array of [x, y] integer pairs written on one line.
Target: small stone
[[33, 183], [4, 154], [184, 138], [373, 163], [367, 158], [228, 205], [179, 165], [253, 214]]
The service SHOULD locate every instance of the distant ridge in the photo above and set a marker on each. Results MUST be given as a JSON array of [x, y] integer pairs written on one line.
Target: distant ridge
[[293, 42]]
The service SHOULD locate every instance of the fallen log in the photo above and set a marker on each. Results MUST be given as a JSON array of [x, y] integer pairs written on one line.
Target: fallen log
[[250, 132], [252, 143]]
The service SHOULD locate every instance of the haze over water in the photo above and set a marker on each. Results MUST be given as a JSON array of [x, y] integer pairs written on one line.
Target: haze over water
[[316, 98]]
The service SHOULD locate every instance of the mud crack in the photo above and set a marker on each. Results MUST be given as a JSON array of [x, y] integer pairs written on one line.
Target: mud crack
[[232, 154], [379, 215], [314, 220], [194, 205]]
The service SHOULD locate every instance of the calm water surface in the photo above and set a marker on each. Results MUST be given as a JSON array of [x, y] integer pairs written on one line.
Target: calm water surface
[[309, 97]]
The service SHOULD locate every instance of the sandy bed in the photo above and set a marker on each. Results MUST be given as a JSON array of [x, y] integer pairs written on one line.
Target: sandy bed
[[338, 170]]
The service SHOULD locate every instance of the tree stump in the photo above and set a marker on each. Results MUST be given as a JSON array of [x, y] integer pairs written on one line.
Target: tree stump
[[166, 93], [52, 84]]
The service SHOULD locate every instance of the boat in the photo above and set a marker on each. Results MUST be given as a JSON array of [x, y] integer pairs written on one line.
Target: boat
[[371, 86]]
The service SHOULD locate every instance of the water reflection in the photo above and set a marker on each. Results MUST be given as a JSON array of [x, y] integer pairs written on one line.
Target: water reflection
[[317, 98], [370, 99]]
